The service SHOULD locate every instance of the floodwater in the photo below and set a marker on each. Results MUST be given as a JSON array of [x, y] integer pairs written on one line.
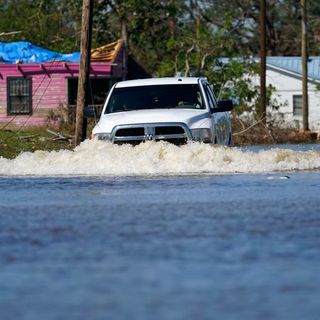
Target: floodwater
[[160, 233]]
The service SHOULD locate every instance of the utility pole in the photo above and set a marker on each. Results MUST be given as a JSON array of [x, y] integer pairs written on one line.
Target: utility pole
[[304, 62], [84, 70], [124, 37], [263, 100]]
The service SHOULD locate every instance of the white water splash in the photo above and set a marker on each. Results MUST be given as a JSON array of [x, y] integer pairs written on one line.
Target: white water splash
[[100, 158]]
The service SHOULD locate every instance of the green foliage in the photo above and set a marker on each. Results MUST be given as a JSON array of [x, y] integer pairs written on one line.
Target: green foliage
[[233, 79], [51, 23]]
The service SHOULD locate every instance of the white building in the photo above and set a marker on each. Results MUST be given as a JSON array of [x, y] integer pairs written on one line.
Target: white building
[[285, 75]]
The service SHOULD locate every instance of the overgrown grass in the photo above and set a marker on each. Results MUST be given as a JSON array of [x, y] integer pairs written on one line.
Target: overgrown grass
[[12, 142]]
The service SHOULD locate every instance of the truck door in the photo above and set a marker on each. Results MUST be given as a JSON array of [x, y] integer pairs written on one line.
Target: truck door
[[217, 118]]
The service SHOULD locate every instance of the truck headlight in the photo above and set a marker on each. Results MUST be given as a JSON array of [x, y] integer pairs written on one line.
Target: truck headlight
[[102, 136], [203, 134]]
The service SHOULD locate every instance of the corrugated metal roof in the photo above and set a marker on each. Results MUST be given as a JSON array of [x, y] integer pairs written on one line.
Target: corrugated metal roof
[[290, 64], [293, 64]]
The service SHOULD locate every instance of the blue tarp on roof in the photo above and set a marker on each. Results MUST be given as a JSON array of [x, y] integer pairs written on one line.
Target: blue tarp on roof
[[26, 52]]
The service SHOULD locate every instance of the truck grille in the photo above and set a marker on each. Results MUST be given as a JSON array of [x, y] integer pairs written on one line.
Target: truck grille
[[130, 132], [175, 133], [169, 130]]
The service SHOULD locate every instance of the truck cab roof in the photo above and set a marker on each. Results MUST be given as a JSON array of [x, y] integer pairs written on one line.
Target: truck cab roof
[[158, 81]]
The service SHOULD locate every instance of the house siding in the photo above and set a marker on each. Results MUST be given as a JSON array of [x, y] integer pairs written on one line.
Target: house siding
[[49, 87], [286, 87]]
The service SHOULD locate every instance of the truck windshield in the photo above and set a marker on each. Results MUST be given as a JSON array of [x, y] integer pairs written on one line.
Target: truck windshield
[[180, 96]]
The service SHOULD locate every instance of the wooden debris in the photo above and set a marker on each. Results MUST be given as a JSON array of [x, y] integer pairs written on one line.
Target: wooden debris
[[306, 135], [58, 136]]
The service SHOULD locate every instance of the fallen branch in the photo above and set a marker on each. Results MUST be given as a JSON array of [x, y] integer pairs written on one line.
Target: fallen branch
[[253, 125], [241, 123], [9, 33], [58, 136]]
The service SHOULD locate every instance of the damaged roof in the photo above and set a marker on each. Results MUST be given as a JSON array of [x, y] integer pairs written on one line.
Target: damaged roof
[[26, 52]]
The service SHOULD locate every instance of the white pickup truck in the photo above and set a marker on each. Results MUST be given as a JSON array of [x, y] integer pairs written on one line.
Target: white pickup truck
[[177, 110]]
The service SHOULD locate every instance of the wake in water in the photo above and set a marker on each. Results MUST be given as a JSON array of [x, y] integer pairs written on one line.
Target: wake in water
[[156, 158]]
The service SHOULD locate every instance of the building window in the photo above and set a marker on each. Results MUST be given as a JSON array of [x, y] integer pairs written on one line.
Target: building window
[[19, 96], [297, 105]]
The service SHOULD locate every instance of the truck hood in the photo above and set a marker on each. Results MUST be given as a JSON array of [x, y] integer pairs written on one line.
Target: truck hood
[[189, 117]]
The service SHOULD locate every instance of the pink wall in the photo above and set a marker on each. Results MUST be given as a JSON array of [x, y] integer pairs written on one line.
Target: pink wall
[[49, 87]]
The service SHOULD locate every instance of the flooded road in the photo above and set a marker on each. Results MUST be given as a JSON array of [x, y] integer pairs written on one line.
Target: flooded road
[[201, 246]]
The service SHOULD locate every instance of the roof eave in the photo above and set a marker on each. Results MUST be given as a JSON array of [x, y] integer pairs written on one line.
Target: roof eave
[[291, 73]]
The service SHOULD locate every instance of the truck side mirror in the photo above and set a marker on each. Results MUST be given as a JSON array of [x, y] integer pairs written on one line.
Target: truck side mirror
[[223, 105]]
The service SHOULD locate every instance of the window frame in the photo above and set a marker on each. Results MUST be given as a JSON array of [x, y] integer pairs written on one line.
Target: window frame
[[146, 90], [294, 96], [29, 96], [210, 96]]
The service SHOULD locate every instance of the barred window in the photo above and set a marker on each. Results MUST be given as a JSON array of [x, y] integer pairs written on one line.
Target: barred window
[[19, 96], [297, 105]]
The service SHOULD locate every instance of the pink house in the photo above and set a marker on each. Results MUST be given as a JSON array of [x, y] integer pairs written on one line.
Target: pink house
[[29, 92]]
